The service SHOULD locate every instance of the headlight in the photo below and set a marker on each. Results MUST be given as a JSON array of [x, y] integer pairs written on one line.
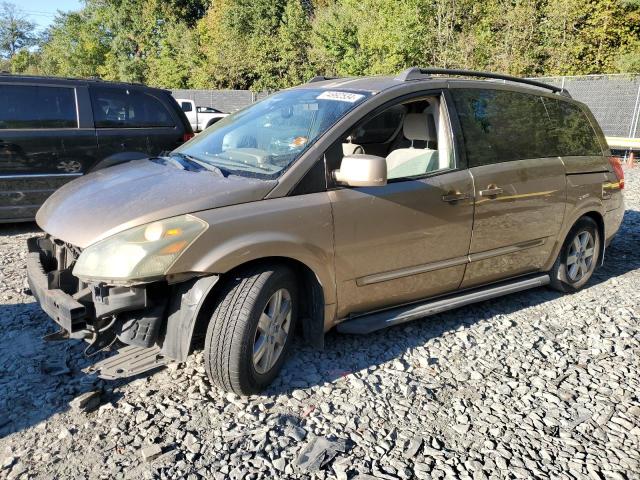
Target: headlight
[[140, 253]]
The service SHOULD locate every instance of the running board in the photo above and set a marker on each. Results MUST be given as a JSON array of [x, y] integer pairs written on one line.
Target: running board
[[395, 316], [128, 362]]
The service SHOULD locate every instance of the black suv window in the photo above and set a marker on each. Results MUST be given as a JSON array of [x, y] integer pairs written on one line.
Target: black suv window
[[571, 129], [500, 126], [122, 107], [32, 106]]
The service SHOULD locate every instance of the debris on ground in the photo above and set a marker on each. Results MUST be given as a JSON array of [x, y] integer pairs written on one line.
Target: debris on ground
[[318, 452]]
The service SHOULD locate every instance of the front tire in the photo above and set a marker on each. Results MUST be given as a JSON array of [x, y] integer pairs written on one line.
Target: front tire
[[578, 257], [251, 329]]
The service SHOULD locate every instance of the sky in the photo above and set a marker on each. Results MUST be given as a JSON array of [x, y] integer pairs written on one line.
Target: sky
[[42, 12]]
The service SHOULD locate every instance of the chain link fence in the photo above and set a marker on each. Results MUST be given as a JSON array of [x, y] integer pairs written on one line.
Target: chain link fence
[[613, 99]]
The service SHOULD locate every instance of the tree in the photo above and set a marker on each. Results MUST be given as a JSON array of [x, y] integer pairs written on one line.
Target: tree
[[256, 44], [75, 45], [293, 45], [593, 37], [272, 44], [16, 31], [174, 62], [356, 37]]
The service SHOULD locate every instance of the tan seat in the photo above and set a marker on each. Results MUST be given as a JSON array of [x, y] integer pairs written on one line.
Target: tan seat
[[410, 162]]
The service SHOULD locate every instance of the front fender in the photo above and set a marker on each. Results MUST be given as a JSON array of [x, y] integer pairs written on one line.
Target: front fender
[[224, 257], [297, 228]]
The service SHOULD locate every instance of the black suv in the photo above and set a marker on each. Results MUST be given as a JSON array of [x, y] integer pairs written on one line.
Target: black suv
[[55, 129]]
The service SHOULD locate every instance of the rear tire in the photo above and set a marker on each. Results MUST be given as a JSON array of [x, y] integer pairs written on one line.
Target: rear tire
[[578, 257], [251, 329]]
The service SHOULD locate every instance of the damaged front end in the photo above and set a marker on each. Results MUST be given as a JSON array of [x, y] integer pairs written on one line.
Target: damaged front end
[[155, 319]]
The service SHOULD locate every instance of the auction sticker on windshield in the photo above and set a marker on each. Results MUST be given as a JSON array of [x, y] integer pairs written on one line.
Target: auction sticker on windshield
[[340, 96]]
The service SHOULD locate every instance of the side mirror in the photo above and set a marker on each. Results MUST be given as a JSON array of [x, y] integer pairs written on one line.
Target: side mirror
[[362, 171]]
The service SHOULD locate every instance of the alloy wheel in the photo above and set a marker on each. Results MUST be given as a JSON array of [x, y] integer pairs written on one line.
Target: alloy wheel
[[273, 331], [581, 255]]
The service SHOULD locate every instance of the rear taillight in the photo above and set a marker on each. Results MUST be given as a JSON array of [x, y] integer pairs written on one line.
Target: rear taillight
[[187, 136], [616, 164]]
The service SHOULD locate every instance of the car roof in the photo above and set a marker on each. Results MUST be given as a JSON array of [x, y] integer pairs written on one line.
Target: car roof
[[379, 83], [6, 77]]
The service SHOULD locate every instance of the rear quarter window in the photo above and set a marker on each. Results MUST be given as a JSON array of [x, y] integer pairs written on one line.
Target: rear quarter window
[[37, 107], [571, 129], [128, 108]]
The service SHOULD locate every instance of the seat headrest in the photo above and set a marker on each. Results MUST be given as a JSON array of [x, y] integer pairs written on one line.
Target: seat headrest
[[419, 126]]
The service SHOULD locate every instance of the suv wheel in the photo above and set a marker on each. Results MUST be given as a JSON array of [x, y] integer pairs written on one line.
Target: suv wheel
[[578, 258], [251, 329]]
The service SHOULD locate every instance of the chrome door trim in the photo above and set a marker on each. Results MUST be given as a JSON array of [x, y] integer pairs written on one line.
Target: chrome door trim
[[415, 270], [452, 262], [496, 252]]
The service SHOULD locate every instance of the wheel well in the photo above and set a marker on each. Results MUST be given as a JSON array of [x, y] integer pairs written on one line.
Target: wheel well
[[311, 315], [597, 217]]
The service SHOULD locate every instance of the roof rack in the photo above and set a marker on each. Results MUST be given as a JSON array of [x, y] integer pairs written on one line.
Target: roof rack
[[321, 78], [417, 73]]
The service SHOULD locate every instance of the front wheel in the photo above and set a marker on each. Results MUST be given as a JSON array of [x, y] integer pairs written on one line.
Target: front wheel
[[578, 257], [251, 329]]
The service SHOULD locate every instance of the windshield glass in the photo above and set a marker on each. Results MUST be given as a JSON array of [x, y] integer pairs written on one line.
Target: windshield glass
[[264, 139]]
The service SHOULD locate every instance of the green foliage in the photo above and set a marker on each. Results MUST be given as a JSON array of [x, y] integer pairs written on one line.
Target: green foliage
[[357, 37], [273, 44], [75, 46], [16, 31]]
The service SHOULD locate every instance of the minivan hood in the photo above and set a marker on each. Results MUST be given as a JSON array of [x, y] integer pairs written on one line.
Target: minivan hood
[[115, 199]]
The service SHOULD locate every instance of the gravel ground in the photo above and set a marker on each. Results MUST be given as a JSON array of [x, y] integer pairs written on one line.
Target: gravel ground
[[536, 384]]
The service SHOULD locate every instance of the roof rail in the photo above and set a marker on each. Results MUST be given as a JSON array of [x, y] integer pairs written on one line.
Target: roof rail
[[417, 73], [321, 78]]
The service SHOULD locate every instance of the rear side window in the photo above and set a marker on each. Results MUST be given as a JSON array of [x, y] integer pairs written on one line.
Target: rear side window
[[125, 108], [33, 106], [499, 126], [571, 129]]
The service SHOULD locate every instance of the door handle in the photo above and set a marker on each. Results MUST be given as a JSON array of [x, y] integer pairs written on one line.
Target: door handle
[[492, 192], [452, 197]]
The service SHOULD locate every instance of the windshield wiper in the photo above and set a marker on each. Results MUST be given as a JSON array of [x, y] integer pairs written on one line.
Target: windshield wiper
[[201, 163]]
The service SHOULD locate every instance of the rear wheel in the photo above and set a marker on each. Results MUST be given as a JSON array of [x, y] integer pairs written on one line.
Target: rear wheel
[[578, 258], [251, 329]]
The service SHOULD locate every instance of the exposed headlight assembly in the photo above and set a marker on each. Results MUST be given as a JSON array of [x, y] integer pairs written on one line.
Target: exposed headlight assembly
[[140, 254]]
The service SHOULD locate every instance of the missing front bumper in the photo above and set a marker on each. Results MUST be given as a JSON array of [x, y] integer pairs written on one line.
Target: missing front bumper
[[63, 308], [133, 314]]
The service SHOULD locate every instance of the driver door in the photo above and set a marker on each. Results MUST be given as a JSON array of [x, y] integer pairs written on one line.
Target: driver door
[[409, 239]]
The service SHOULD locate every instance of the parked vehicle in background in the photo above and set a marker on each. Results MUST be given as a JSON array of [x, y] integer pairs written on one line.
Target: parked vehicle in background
[[354, 203], [200, 117], [55, 129]]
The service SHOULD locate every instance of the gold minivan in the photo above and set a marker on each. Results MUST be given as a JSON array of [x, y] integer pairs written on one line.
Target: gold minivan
[[356, 203]]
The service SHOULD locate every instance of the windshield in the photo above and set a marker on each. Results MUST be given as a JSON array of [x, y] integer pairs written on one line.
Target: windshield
[[264, 139]]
